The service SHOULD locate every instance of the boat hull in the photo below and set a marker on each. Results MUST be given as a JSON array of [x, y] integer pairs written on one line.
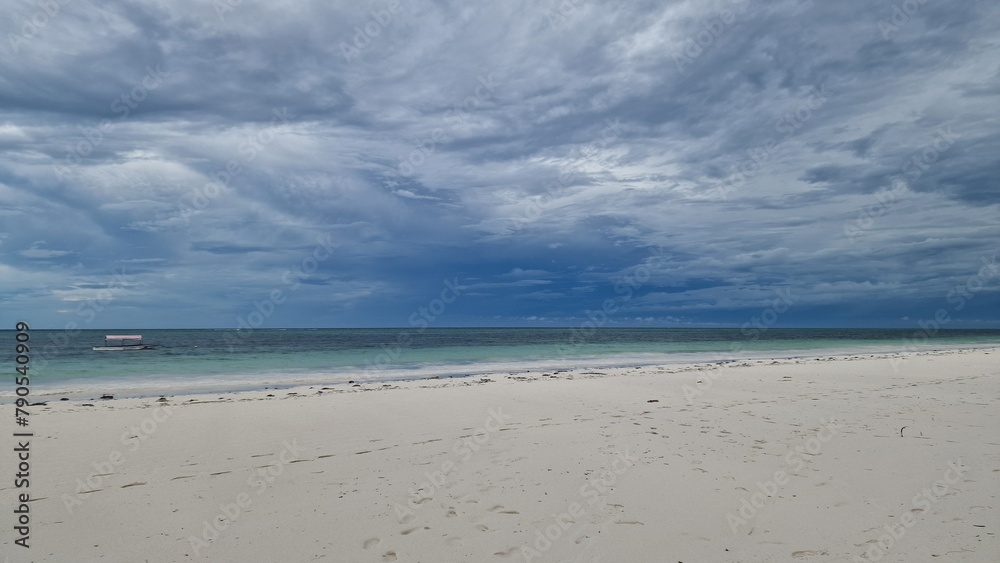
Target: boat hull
[[122, 348]]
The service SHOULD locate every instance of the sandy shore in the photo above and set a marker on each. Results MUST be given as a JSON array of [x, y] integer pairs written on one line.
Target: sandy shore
[[848, 459]]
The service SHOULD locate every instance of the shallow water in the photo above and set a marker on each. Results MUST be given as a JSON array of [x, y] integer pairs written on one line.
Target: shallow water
[[63, 362]]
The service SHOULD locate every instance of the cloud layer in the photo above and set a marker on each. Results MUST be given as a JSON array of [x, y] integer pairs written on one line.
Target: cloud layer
[[177, 163]]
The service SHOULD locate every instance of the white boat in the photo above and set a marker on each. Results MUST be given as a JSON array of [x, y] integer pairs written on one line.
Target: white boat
[[125, 342]]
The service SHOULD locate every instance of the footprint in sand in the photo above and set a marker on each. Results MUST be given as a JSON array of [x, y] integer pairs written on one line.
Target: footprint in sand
[[807, 553], [389, 556], [371, 542], [500, 508]]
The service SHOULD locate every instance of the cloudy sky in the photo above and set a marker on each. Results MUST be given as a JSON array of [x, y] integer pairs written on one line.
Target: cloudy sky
[[674, 163]]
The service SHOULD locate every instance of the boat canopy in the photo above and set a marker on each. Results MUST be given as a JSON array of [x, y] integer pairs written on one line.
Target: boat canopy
[[123, 337]]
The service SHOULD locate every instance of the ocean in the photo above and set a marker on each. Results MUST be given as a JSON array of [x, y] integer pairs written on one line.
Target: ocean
[[62, 363]]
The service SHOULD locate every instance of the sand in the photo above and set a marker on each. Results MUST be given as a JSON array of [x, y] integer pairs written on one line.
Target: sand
[[831, 459]]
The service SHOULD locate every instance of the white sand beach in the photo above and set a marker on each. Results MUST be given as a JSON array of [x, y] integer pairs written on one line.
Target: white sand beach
[[829, 459]]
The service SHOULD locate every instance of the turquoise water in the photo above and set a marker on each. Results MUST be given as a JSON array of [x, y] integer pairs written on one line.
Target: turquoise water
[[63, 363]]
